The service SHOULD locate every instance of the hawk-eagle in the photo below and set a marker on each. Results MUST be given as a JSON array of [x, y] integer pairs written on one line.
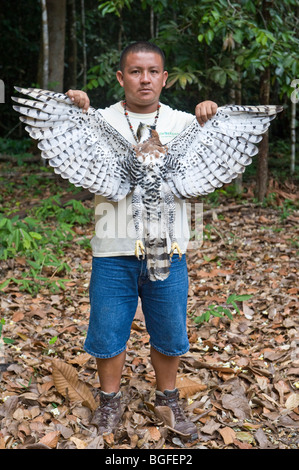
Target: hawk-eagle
[[85, 149]]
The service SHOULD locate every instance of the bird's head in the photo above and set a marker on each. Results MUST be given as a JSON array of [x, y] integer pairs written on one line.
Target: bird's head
[[144, 132]]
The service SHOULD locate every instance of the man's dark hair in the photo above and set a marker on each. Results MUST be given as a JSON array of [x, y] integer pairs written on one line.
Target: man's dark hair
[[140, 46]]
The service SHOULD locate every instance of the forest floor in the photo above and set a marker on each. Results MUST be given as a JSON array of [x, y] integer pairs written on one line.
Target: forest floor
[[240, 380]]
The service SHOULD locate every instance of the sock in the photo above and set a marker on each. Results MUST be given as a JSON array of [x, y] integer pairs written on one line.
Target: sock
[[166, 392], [112, 394]]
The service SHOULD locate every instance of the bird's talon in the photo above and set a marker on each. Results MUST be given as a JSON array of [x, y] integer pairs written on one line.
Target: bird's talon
[[139, 246], [175, 246]]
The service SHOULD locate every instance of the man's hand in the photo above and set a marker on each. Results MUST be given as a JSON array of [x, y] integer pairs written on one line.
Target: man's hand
[[204, 111], [79, 98]]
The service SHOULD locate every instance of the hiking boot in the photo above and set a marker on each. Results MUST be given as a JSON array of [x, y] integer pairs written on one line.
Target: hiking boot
[[108, 414], [176, 419]]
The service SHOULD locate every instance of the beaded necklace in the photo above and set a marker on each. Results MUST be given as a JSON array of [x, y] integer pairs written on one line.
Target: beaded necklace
[[129, 122]]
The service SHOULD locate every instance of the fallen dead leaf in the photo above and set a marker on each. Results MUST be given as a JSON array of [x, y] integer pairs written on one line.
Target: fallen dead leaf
[[262, 439], [165, 414], [237, 401], [67, 383], [80, 444], [210, 427], [292, 401], [242, 445], [155, 433], [228, 435], [245, 437], [50, 439], [188, 387], [109, 439], [2, 441]]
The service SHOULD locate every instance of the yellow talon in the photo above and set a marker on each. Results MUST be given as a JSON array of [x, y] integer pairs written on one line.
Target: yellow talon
[[139, 246], [175, 246]]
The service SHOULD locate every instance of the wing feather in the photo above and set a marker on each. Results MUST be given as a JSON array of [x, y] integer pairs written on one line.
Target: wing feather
[[83, 148], [201, 159]]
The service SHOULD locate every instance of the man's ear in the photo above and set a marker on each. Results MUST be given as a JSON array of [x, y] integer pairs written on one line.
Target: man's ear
[[119, 76], [165, 76]]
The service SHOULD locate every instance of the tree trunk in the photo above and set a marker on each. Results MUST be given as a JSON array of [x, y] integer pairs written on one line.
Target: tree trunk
[[152, 23], [71, 81], [84, 43], [238, 100], [293, 136], [239, 86], [235, 96], [45, 47], [262, 170], [56, 22], [120, 31], [157, 24]]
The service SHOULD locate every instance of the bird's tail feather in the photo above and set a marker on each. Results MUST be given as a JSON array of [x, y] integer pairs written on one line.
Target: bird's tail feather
[[158, 260]]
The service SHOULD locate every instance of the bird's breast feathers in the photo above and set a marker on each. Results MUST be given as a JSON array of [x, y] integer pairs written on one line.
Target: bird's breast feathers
[[151, 152]]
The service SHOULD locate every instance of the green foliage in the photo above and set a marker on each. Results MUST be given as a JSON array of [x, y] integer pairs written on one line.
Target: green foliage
[[4, 339], [286, 209], [42, 247], [73, 212], [18, 148], [53, 340], [184, 76], [15, 147], [114, 6], [103, 74], [210, 47], [220, 310]]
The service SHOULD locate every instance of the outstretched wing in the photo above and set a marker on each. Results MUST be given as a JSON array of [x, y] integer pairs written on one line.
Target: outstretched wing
[[201, 159], [82, 147]]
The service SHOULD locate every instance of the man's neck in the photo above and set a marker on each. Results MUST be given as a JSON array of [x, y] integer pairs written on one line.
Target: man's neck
[[142, 109]]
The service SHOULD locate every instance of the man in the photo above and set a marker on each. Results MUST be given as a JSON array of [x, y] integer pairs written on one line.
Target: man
[[118, 277]]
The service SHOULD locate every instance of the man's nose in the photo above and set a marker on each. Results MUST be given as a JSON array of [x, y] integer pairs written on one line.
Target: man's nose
[[145, 77]]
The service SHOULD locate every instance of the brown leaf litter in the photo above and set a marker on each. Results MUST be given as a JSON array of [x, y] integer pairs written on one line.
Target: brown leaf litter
[[239, 381]]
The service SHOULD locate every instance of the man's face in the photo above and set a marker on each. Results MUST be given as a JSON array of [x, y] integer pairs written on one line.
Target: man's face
[[143, 78]]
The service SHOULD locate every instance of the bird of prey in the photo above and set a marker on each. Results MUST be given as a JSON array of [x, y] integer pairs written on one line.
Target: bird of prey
[[85, 149]]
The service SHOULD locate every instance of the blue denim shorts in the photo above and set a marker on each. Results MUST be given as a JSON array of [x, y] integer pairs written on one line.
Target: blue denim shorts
[[115, 285]]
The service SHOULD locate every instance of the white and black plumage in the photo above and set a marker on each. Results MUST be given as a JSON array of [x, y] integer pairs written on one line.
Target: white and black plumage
[[85, 149]]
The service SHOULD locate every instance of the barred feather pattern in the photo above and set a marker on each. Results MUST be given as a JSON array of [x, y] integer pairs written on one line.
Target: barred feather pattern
[[90, 153], [149, 197], [82, 148], [200, 160]]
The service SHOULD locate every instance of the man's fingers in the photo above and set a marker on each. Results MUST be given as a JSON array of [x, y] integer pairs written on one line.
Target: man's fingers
[[79, 98], [204, 111]]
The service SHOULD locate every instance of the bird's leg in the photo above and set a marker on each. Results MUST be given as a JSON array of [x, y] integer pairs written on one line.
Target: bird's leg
[[169, 207], [138, 221]]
